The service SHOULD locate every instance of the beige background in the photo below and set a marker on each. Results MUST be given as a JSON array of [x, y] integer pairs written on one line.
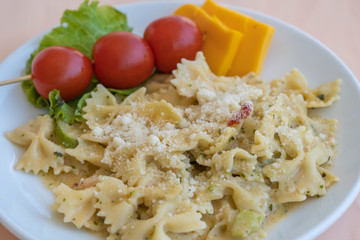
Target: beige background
[[335, 23]]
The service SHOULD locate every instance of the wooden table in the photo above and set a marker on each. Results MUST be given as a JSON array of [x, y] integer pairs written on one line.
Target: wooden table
[[335, 23]]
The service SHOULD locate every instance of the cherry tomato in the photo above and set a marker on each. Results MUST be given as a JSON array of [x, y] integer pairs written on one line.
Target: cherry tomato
[[62, 68], [122, 60], [172, 38]]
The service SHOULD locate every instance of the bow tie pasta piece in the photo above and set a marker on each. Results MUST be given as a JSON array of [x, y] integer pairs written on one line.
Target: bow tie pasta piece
[[91, 152], [166, 219], [76, 205], [42, 153], [117, 203], [323, 96]]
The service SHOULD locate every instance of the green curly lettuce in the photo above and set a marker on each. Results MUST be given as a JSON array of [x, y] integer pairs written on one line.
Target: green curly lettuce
[[79, 29]]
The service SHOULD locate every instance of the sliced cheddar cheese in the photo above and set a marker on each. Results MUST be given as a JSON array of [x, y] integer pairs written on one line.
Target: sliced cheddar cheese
[[255, 43], [220, 42], [230, 18]]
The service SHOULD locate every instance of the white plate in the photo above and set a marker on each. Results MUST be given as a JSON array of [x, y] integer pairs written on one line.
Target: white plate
[[25, 203]]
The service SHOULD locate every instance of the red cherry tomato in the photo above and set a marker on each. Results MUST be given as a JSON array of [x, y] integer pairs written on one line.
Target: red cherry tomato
[[62, 68], [122, 60], [172, 38]]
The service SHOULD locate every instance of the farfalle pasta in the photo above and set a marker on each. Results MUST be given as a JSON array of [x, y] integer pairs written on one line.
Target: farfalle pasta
[[179, 158]]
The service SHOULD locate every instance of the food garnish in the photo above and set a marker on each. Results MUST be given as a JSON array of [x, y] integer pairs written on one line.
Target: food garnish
[[63, 68], [173, 38], [122, 60], [246, 47], [219, 41], [78, 29]]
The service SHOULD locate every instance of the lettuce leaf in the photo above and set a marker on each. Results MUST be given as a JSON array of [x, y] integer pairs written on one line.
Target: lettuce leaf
[[78, 29]]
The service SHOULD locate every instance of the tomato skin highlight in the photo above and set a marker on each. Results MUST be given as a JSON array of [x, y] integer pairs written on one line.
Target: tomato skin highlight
[[62, 68], [172, 38], [122, 60]]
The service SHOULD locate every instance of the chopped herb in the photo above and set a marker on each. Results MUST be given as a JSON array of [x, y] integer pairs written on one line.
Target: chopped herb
[[58, 154], [323, 175], [321, 186], [132, 193], [210, 188], [321, 96], [190, 85], [313, 128], [242, 130], [22, 135], [100, 202], [73, 167], [64, 199], [95, 223], [271, 207]]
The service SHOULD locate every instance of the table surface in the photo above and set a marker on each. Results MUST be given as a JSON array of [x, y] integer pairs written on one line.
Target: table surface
[[335, 23]]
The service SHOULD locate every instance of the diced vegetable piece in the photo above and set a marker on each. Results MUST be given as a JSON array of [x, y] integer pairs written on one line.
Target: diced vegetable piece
[[220, 43], [246, 222], [63, 135]]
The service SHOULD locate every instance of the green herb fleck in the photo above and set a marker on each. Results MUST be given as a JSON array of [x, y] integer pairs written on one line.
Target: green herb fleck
[[321, 96], [58, 154], [271, 207]]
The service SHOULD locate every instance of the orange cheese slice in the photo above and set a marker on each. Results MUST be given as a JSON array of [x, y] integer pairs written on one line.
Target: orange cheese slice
[[220, 42], [255, 43]]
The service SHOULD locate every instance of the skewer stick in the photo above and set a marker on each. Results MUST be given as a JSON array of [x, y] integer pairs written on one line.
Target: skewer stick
[[15, 80]]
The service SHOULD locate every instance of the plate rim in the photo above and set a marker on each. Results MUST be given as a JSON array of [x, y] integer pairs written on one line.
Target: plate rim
[[315, 231]]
